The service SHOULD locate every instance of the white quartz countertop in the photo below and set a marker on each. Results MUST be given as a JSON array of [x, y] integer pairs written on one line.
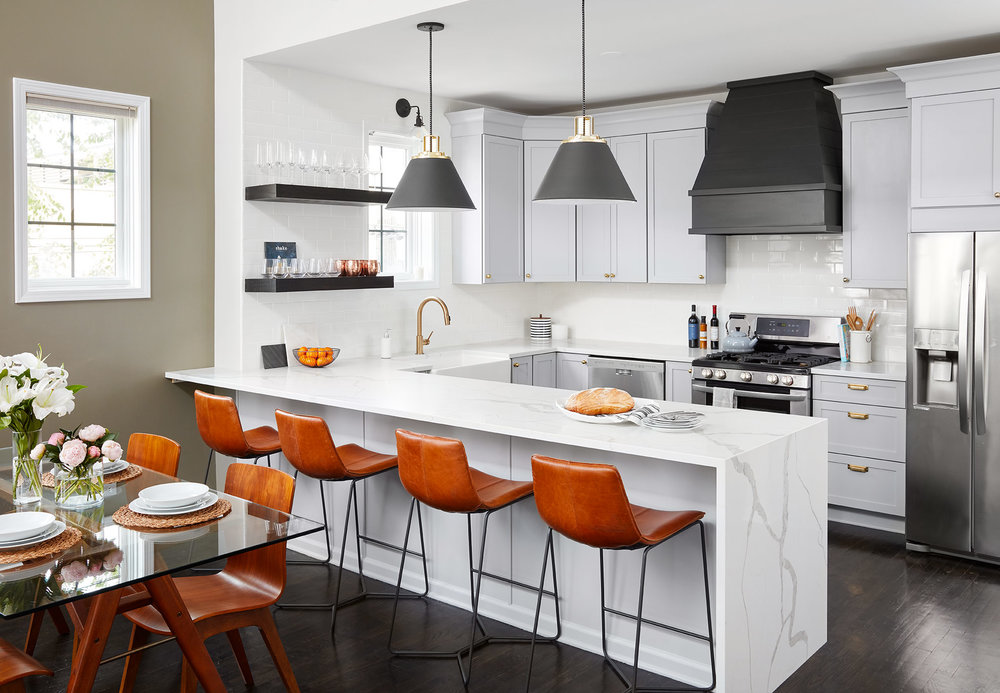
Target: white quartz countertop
[[384, 386], [876, 370], [514, 348]]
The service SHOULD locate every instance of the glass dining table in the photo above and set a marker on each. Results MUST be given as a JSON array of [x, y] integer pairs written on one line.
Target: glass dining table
[[113, 569]]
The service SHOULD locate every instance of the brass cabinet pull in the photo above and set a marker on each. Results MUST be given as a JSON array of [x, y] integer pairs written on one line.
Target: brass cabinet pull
[[584, 362], [847, 279], [515, 364], [858, 468], [855, 415], [996, 194], [856, 386], [528, 275], [489, 276], [606, 275], [690, 370], [701, 276]]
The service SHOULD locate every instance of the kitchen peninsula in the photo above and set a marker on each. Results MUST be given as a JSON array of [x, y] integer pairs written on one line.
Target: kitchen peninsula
[[761, 478]]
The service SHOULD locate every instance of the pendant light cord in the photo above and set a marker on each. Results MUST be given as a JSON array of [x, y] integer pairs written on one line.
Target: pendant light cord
[[583, 53], [430, 80]]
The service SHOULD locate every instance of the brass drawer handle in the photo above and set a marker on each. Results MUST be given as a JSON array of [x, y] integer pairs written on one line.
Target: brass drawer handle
[[516, 364], [996, 194], [855, 415], [607, 276], [856, 386], [701, 276], [489, 276], [612, 275], [847, 279], [528, 275], [857, 468], [584, 362]]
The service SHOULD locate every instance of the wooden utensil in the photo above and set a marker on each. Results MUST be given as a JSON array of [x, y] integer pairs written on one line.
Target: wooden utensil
[[871, 321], [853, 320]]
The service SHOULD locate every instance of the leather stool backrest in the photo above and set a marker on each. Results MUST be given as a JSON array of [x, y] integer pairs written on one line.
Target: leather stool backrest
[[219, 424], [585, 502], [307, 444], [435, 471]]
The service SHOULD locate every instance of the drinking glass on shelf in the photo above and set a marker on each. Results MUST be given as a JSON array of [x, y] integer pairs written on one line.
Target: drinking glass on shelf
[[313, 268], [314, 166], [354, 173], [326, 267], [281, 267], [340, 168], [326, 166]]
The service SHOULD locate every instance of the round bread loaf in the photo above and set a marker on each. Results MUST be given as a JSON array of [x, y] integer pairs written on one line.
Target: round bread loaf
[[600, 400]]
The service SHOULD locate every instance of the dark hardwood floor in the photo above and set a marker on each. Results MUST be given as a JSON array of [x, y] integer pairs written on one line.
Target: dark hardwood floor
[[899, 621]]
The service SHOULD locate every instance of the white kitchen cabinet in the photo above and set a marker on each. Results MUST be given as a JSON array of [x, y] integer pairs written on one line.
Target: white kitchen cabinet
[[520, 370], [549, 228], [675, 256], [543, 370], [678, 381], [487, 242], [956, 152], [571, 371], [611, 238]]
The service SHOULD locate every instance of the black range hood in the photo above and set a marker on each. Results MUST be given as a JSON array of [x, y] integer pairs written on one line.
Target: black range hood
[[774, 163]]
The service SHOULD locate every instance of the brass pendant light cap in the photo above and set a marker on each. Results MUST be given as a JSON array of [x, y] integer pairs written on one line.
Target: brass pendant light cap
[[431, 149], [583, 130]]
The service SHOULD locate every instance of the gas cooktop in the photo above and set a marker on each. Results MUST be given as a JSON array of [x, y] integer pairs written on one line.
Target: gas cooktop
[[761, 360]]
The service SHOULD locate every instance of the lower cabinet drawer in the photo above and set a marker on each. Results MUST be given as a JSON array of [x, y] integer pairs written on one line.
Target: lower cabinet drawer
[[866, 484], [866, 431]]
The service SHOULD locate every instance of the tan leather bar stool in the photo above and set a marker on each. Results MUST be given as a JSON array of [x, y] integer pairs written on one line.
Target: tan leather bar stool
[[436, 472], [307, 444], [587, 503], [220, 428]]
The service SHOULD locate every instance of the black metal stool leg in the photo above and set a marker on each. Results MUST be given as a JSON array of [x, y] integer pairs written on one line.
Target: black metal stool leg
[[549, 549], [208, 465], [399, 577], [708, 604]]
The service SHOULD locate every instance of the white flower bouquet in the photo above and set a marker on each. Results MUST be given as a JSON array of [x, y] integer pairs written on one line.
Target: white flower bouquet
[[79, 456], [30, 390]]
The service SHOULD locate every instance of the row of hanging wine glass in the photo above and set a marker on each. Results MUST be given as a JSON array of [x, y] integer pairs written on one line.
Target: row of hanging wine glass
[[286, 162]]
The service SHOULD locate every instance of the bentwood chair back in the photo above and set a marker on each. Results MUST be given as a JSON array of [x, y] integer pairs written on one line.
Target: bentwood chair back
[[15, 666], [585, 502], [154, 452]]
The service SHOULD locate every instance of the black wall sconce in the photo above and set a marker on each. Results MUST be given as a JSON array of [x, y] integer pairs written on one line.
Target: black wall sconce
[[403, 109]]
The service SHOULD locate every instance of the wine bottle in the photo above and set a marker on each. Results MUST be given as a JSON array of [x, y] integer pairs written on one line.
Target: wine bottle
[[703, 334], [693, 328], [713, 329]]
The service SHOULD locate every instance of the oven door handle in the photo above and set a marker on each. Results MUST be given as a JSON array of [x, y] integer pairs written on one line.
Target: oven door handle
[[790, 397]]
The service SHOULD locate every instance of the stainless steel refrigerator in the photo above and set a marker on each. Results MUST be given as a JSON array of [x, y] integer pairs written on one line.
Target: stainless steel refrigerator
[[952, 427]]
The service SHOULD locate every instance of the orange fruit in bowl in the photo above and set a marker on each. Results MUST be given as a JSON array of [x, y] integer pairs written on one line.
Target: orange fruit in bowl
[[308, 361]]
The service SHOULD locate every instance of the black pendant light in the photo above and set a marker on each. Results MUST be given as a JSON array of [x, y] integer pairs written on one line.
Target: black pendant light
[[430, 182], [584, 170]]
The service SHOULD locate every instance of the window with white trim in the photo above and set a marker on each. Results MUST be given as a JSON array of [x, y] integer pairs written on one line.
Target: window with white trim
[[81, 193], [402, 242]]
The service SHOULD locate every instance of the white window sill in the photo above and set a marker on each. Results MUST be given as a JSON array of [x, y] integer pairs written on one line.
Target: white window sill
[[81, 294]]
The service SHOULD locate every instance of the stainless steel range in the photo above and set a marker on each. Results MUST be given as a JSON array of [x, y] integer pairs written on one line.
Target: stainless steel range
[[776, 374]]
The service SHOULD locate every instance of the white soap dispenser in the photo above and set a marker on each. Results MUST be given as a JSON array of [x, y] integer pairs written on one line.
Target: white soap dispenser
[[386, 351]]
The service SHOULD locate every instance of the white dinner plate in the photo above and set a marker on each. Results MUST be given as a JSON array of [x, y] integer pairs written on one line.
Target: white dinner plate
[[673, 429], [589, 418], [138, 506], [18, 526], [176, 494], [55, 530], [119, 465]]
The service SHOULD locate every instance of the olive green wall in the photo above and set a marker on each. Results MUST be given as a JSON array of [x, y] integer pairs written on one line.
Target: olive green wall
[[120, 349]]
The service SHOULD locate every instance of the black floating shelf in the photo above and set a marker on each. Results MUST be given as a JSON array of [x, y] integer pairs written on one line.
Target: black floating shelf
[[314, 194], [263, 285]]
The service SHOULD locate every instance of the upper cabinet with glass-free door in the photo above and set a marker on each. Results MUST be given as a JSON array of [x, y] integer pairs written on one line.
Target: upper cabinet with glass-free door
[[955, 143], [611, 238], [549, 227]]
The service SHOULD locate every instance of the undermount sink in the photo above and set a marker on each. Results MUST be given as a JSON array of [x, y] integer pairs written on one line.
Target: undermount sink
[[462, 364]]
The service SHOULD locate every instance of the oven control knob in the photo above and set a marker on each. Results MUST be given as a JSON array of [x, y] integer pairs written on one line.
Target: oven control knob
[[772, 379], [720, 374], [706, 372], [746, 376], [787, 380]]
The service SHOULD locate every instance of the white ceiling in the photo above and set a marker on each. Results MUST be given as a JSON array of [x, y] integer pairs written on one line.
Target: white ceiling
[[524, 55]]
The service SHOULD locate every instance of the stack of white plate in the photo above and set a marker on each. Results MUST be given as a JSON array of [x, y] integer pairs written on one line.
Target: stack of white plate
[[175, 498], [25, 529], [119, 465], [541, 329], [674, 421]]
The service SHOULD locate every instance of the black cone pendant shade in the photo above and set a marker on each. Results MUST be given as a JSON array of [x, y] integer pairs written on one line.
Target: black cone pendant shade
[[584, 170], [430, 182]]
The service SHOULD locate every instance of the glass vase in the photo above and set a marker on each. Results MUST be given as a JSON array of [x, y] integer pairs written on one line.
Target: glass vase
[[82, 487], [27, 473]]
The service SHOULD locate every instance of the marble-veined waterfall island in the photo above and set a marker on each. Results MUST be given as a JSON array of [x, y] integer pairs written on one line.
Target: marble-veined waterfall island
[[760, 477]]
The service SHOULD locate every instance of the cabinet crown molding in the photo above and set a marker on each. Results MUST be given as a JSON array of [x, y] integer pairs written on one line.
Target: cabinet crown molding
[[870, 95], [971, 73]]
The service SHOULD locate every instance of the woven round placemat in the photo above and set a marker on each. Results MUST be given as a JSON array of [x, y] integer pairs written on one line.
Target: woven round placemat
[[56, 544], [133, 520], [130, 472]]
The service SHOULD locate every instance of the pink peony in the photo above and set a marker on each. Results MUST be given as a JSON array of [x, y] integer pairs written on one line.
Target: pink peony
[[73, 453], [113, 559], [92, 433], [57, 438], [74, 572], [37, 452], [93, 451], [112, 450]]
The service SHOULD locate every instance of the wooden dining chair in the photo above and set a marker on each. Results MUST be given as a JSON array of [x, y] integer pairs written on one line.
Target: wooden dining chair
[[154, 452], [238, 597], [15, 666], [148, 450]]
